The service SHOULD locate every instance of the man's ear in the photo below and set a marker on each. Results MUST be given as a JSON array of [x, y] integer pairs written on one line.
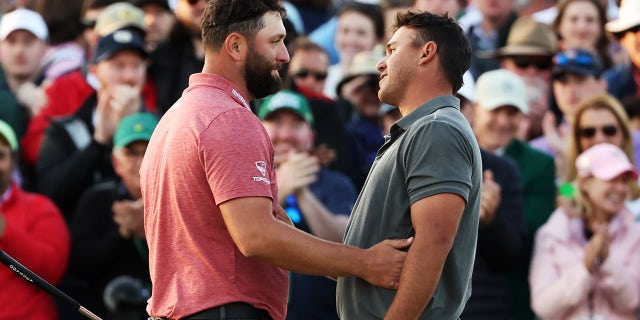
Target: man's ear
[[429, 52], [236, 46]]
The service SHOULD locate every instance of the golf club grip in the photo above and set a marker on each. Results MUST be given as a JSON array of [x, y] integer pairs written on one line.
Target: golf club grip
[[29, 276]]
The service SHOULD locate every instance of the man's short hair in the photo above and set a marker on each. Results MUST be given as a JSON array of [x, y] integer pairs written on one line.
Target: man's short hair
[[453, 51], [223, 17]]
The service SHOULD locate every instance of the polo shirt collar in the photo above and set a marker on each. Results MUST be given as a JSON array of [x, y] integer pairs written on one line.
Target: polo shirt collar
[[208, 79], [424, 110]]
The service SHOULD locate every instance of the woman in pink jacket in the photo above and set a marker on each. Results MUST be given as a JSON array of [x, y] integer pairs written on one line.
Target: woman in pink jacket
[[586, 262]]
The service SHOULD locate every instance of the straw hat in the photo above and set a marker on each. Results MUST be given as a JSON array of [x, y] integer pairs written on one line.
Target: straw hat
[[526, 37]]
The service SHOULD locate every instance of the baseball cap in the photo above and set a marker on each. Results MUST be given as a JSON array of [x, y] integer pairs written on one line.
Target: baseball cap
[[604, 161], [118, 16], [8, 134], [120, 40], [136, 127], [498, 88], [527, 37], [289, 100], [578, 61], [23, 19]]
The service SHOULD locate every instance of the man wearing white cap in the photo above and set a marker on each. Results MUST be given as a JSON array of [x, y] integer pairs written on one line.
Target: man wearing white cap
[[500, 105], [23, 43], [624, 80]]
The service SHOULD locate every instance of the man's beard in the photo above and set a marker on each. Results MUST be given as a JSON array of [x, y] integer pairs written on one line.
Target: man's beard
[[258, 74]]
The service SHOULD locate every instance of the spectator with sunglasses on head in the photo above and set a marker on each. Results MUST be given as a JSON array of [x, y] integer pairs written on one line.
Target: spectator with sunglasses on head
[[624, 80], [576, 77], [527, 53]]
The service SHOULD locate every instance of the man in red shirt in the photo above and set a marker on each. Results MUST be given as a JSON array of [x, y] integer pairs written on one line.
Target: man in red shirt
[[218, 241]]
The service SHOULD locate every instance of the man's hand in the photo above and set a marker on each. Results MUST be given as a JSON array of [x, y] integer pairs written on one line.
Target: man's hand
[[297, 171], [385, 263], [31, 96], [114, 103], [490, 198], [129, 215]]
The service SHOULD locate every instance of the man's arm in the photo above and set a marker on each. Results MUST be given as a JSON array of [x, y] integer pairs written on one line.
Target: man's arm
[[257, 233], [435, 220], [322, 222]]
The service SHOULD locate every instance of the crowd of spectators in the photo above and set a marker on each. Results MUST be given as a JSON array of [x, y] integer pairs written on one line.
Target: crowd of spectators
[[552, 95]]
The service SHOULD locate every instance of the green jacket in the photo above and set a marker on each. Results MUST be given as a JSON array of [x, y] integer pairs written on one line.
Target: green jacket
[[538, 176], [10, 111]]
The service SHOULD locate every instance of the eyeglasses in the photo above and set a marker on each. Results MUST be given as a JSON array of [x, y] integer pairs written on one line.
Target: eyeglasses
[[590, 132], [540, 63], [303, 73]]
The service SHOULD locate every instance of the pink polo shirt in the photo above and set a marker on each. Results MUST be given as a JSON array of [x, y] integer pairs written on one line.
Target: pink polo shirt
[[207, 149]]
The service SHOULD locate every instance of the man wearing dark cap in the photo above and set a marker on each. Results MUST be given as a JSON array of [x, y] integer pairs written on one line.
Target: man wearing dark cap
[[68, 92], [75, 151], [576, 76]]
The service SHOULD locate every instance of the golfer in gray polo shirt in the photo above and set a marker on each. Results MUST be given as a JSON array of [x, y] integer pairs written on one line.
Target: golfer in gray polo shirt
[[425, 181]]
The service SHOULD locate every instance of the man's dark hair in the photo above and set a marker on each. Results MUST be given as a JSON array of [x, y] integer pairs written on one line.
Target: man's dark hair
[[453, 49], [223, 17]]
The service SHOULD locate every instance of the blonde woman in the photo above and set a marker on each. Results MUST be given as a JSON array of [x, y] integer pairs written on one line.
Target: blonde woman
[[586, 261], [596, 120]]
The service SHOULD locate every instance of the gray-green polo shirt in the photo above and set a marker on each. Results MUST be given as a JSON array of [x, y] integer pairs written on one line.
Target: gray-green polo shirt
[[430, 151]]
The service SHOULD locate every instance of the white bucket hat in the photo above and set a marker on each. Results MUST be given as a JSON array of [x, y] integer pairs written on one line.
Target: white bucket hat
[[629, 17]]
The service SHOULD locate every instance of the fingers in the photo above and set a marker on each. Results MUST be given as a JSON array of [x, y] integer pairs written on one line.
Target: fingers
[[487, 175], [399, 243]]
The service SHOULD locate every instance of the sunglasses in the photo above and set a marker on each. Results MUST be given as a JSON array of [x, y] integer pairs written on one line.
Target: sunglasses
[[575, 57], [303, 73], [88, 24], [540, 63], [590, 132], [193, 2]]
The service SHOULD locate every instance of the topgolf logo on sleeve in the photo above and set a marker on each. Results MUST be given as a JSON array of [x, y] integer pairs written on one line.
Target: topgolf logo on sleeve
[[262, 167]]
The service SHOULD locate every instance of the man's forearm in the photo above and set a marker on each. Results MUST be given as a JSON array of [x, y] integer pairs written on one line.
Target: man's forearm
[[321, 221], [419, 279]]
